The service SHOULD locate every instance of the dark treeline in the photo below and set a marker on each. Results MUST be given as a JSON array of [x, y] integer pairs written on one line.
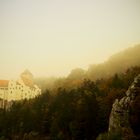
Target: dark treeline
[[78, 113]]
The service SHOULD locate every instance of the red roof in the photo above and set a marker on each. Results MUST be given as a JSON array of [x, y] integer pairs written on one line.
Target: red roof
[[4, 83]]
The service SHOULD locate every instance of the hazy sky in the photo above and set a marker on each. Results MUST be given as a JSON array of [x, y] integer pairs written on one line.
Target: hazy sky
[[51, 37]]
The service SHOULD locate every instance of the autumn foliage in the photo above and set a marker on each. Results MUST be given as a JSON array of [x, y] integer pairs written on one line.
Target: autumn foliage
[[80, 112]]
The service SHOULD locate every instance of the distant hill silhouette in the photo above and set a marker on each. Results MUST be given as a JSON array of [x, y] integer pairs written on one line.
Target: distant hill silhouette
[[117, 63]]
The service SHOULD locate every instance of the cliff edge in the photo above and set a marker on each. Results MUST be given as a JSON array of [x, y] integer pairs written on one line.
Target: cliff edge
[[119, 117]]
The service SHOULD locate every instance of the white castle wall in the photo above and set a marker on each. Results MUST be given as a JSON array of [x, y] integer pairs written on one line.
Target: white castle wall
[[17, 90]]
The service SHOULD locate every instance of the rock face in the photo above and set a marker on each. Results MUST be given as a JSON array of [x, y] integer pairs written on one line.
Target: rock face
[[119, 117]]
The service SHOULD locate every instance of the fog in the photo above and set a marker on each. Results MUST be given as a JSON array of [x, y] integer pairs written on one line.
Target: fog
[[50, 38], [116, 64]]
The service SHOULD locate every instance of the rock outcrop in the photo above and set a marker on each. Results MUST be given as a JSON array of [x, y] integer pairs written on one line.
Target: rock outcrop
[[119, 117]]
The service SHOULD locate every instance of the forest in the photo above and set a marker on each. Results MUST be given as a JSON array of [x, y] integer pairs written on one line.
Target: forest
[[81, 70], [78, 113]]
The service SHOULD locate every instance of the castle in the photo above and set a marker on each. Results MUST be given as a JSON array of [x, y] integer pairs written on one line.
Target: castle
[[24, 88]]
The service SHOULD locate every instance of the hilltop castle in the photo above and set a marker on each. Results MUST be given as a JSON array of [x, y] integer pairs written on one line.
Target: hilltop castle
[[24, 88]]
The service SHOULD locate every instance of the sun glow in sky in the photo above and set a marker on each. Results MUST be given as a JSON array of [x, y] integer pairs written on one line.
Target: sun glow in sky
[[51, 37]]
